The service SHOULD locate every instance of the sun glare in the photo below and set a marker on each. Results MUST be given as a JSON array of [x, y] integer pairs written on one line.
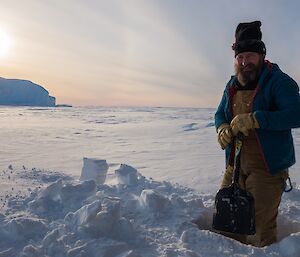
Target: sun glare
[[4, 43]]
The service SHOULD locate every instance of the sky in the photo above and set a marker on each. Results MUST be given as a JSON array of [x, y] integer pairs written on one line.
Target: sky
[[139, 52]]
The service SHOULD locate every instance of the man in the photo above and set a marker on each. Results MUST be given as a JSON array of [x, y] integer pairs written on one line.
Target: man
[[263, 103]]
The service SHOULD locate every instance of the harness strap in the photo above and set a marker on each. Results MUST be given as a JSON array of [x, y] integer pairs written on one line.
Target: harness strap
[[232, 91], [290, 186]]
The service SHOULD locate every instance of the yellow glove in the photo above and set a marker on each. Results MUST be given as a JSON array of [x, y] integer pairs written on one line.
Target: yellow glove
[[243, 123], [224, 135]]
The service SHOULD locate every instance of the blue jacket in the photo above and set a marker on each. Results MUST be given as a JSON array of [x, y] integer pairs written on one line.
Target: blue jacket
[[276, 106]]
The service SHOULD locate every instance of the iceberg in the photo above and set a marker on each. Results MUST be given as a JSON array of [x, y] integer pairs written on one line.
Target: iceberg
[[16, 92]]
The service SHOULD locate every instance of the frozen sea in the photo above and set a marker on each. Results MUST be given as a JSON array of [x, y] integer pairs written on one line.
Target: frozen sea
[[179, 162], [175, 144]]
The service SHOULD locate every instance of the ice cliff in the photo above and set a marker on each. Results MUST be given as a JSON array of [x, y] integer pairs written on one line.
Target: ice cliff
[[23, 92]]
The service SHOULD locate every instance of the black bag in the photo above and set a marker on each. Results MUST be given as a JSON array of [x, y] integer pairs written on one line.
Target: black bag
[[235, 210]]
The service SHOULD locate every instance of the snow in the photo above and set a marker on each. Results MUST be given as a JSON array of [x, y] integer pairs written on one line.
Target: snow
[[161, 170]]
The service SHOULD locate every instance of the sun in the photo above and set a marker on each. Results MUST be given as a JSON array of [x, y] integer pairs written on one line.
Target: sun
[[5, 43]]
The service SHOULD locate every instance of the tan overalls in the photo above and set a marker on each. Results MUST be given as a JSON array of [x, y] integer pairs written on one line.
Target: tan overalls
[[254, 177]]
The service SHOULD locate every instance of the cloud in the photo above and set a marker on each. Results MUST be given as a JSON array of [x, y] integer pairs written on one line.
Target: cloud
[[143, 52]]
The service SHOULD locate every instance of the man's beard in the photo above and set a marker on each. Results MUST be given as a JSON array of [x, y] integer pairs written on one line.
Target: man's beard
[[248, 74]]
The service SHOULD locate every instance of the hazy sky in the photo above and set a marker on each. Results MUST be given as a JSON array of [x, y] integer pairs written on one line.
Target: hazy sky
[[139, 52]]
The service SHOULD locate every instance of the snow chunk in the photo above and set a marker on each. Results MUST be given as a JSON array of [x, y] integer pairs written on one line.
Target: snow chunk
[[52, 191], [31, 251], [58, 199], [126, 175], [8, 253], [72, 196], [84, 215], [94, 169], [47, 202], [96, 248], [290, 246], [123, 229], [98, 219], [154, 201], [286, 226], [23, 229]]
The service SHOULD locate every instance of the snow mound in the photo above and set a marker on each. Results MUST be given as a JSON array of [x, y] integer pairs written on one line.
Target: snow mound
[[139, 218]]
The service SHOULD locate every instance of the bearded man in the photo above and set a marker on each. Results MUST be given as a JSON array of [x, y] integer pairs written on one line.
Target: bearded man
[[263, 103]]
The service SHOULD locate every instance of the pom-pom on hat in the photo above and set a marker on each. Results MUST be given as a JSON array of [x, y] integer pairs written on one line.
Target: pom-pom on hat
[[248, 38]]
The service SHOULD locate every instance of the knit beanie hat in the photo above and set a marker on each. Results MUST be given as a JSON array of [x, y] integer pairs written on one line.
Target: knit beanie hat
[[248, 38]]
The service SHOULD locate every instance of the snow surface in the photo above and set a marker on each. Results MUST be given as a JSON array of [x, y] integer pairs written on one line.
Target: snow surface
[[164, 168]]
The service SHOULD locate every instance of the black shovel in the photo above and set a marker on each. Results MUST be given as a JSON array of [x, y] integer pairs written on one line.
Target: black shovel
[[235, 210]]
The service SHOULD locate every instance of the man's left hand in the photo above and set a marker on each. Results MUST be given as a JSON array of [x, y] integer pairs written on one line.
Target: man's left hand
[[243, 123]]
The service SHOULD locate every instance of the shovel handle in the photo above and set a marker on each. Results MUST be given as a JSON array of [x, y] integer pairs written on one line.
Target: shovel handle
[[240, 136], [237, 157]]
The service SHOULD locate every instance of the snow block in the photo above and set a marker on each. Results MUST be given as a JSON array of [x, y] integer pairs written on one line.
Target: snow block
[[123, 229], [126, 175], [51, 194], [24, 229], [47, 203], [84, 215], [96, 219], [94, 169], [72, 196], [154, 201], [31, 251], [52, 191]]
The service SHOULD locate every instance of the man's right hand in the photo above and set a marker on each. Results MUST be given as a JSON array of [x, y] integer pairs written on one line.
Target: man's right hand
[[225, 135]]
